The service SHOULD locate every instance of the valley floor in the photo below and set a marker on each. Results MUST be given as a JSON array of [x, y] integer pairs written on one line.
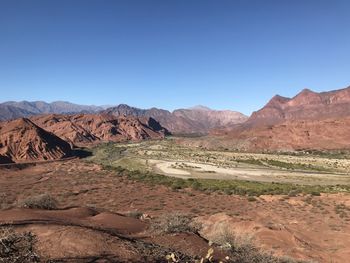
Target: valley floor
[[304, 226]]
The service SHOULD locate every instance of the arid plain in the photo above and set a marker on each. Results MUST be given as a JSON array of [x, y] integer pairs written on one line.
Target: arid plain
[[96, 195]]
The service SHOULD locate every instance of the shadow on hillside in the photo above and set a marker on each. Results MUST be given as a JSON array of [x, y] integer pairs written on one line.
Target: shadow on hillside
[[81, 153]]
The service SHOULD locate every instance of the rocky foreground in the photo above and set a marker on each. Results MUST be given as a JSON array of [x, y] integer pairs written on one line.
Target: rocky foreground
[[115, 218]]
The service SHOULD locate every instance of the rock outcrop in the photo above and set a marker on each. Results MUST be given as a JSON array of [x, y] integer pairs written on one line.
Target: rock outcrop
[[21, 140], [82, 129]]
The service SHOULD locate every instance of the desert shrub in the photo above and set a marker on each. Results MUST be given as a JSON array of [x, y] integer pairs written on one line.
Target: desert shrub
[[293, 193], [195, 185], [17, 247], [315, 193], [6, 200], [251, 199], [174, 223], [134, 214], [43, 201], [240, 248], [227, 238], [179, 184]]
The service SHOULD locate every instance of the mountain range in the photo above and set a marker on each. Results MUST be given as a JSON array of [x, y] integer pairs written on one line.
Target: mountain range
[[198, 119], [13, 110], [309, 120]]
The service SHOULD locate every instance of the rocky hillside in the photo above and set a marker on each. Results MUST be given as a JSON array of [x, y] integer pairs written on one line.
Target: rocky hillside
[[307, 105], [309, 120], [81, 129], [21, 140], [210, 119], [50, 137], [194, 120]]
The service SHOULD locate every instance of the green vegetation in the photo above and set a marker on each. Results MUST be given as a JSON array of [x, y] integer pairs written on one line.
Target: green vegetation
[[107, 153], [131, 160], [237, 187], [296, 166], [331, 154], [250, 161]]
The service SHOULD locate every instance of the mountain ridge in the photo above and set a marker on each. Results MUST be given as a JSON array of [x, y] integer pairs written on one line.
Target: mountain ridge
[[197, 119], [315, 120], [192, 120], [83, 129], [306, 105]]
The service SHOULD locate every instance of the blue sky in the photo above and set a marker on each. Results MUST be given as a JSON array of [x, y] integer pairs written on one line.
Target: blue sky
[[172, 54]]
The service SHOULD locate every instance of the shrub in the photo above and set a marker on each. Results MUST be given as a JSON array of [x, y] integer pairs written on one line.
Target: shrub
[[293, 193], [17, 247], [174, 223], [240, 248], [251, 199], [6, 201], [43, 201], [226, 238], [134, 214], [315, 193]]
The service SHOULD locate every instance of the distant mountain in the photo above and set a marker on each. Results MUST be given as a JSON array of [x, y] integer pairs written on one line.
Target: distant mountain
[[194, 120], [8, 112], [12, 109], [22, 140], [200, 107], [207, 119], [310, 120], [199, 119], [82, 129]]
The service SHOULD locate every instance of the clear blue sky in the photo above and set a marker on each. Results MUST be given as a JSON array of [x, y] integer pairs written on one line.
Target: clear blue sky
[[171, 54]]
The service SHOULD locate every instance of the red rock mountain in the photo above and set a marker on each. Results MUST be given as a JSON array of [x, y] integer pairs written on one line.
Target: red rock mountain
[[309, 120], [21, 140], [82, 129], [307, 105], [49, 137], [195, 120]]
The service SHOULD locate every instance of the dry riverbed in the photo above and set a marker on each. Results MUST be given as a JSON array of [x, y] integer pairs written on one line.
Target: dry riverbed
[[245, 172]]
